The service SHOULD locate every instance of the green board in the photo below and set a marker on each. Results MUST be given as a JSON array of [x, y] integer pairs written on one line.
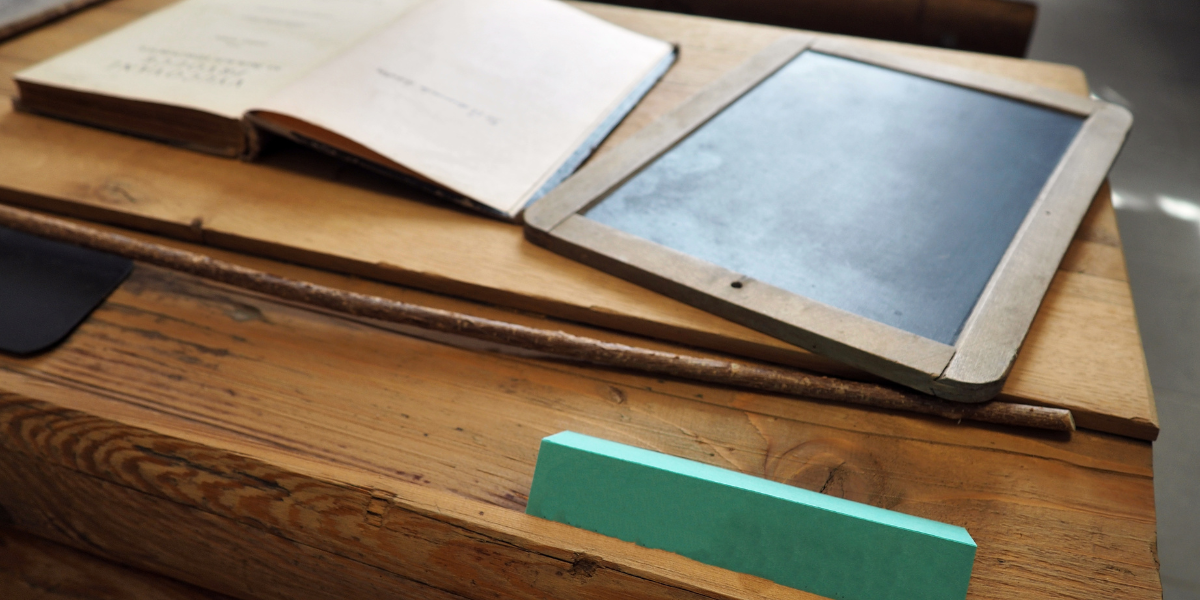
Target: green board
[[817, 543]]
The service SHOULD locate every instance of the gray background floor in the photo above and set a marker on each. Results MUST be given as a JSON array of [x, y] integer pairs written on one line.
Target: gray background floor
[[1145, 54]]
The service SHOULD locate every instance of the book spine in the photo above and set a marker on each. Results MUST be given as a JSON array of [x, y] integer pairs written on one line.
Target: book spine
[[427, 187]]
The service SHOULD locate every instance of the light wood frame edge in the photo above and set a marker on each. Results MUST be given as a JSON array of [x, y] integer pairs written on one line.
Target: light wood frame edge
[[995, 84], [997, 326], [974, 369], [897, 354]]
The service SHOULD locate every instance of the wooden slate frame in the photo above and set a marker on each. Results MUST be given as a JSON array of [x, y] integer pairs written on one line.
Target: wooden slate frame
[[971, 370]]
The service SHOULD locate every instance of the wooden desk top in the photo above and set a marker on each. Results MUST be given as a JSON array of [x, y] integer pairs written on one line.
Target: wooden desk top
[[264, 450], [1083, 352]]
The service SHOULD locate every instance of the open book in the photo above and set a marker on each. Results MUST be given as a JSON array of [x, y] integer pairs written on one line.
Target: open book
[[487, 102]]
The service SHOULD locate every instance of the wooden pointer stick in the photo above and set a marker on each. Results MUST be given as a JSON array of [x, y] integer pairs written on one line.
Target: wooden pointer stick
[[753, 377]]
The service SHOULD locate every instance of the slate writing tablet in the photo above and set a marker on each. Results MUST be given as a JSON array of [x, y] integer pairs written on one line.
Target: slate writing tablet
[[47, 288], [901, 216]]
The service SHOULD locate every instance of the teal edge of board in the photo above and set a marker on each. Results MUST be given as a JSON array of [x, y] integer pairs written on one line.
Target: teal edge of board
[[809, 541]]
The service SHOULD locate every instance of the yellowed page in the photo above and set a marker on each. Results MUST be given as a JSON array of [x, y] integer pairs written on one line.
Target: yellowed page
[[219, 56], [485, 97]]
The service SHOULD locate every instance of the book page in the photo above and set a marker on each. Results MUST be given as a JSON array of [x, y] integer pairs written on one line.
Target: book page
[[219, 56], [485, 97]]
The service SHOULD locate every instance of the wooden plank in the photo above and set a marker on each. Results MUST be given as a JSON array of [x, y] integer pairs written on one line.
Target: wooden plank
[[516, 338], [325, 454], [283, 535], [1091, 287], [268, 352], [33, 568], [304, 208]]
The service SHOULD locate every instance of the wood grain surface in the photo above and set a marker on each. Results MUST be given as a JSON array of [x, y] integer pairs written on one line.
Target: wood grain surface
[[1083, 352], [262, 450], [520, 338], [33, 568]]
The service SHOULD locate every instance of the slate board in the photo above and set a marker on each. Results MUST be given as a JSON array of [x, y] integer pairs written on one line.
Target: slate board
[[883, 193]]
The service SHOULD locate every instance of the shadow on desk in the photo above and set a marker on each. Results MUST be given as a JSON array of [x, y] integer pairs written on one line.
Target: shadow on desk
[[992, 26]]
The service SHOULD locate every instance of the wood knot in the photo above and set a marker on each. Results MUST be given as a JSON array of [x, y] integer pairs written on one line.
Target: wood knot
[[242, 312], [831, 466], [616, 395], [117, 192], [582, 566]]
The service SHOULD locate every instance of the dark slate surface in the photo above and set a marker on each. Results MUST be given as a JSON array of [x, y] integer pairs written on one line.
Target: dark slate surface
[[47, 288], [884, 194]]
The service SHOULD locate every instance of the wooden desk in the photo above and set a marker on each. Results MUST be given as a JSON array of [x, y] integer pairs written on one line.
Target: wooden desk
[[263, 450], [1083, 352]]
